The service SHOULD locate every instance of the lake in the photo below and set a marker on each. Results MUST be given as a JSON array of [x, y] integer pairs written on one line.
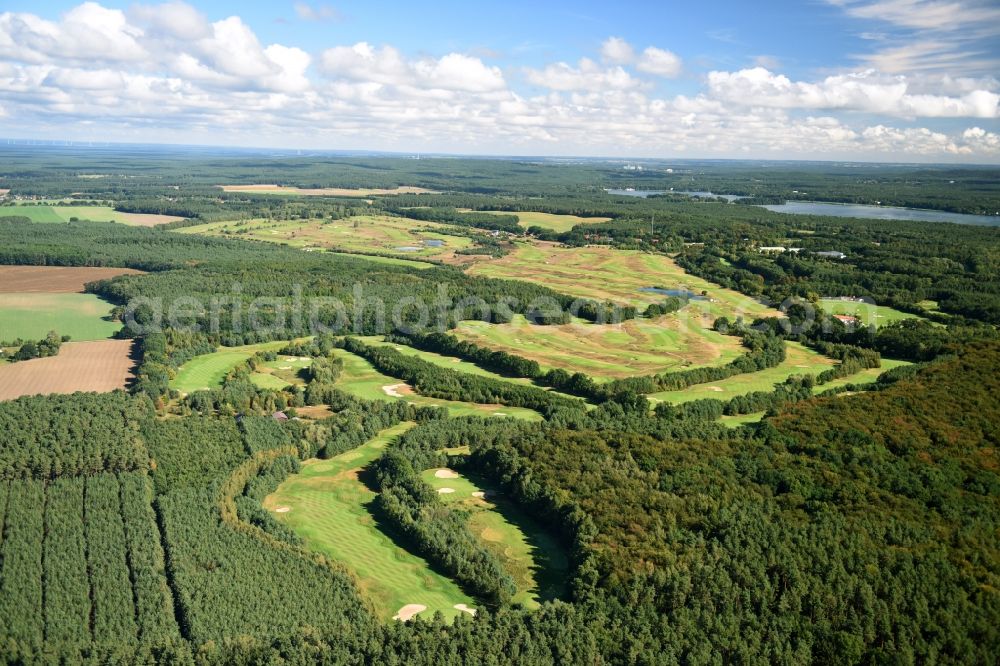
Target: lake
[[708, 195], [881, 212]]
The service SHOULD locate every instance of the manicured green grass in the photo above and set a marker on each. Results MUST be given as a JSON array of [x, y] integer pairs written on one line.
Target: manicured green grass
[[530, 554], [64, 213], [361, 379], [557, 223], [391, 261], [361, 233], [863, 377], [800, 360], [31, 316], [328, 506], [208, 370], [868, 313], [608, 351], [741, 419]]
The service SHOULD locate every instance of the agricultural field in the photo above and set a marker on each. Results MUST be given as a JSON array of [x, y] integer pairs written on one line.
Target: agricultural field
[[361, 379], [799, 360], [81, 561], [528, 553], [30, 316], [208, 370], [610, 351], [328, 506], [54, 279], [323, 191], [867, 313], [104, 365], [621, 276], [66, 213], [396, 236], [550, 221]]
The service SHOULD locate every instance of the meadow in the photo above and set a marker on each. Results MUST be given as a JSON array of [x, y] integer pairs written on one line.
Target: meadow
[[610, 351], [323, 191], [328, 506], [67, 213], [550, 221], [867, 313], [528, 553], [31, 315], [397, 236]]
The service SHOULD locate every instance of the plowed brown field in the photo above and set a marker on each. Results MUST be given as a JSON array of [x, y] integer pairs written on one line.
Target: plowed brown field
[[103, 365], [53, 279]]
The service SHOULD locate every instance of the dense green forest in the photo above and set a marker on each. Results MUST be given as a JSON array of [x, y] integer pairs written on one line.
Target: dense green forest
[[853, 526]]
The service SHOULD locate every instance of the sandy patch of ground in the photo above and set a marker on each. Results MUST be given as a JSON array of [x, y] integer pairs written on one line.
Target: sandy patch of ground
[[445, 491], [104, 365], [147, 219], [715, 388], [464, 609], [323, 191], [314, 412], [392, 390], [54, 279], [445, 473], [282, 509], [408, 611], [479, 493]]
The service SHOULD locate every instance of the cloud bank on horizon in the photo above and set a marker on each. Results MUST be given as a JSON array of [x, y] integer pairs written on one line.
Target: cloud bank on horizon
[[922, 91]]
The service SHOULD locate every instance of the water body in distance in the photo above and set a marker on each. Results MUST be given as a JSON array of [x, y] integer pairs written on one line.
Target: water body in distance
[[882, 213]]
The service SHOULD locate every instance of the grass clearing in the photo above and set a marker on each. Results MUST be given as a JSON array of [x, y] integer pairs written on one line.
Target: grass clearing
[[864, 377], [32, 315], [66, 213], [324, 191], [799, 360], [552, 221], [398, 236], [328, 506], [208, 370], [867, 313], [610, 351], [530, 554], [360, 378]]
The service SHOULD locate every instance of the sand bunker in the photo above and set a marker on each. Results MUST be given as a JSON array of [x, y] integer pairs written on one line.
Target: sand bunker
[[464, 609], [393, 390], [479, 493], [408, 611], [445, 491], [283, 509], [715, 388], [284, 367], [445, 473]]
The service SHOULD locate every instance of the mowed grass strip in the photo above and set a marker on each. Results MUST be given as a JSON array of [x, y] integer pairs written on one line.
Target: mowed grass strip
[[360, 378], [610, 351], [867, 313], [328, 506], [208, 370], [799, 360], [532, 556], [30, 316]]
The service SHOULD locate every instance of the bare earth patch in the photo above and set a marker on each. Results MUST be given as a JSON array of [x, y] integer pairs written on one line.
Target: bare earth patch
[[479, 493], [147, 219], [408, 611], [283, 509], [397, 390], [54, 279], [464, 609], [715, 388], [314, 412], [445, 473], [445, 491], [104, 365]]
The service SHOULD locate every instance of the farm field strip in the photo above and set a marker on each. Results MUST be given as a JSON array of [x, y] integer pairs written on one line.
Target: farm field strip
[[552, 221], [327, 505], [528, 553], [103, 365], [323, 191], [65, 213], [54, 279], [30, 316]]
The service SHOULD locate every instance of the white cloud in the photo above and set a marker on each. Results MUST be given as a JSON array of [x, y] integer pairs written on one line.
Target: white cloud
[[587, 75], [617, 51], [386, 65], [86, 32], [172, 19], [317, 13], [864, 91], [659, 62]]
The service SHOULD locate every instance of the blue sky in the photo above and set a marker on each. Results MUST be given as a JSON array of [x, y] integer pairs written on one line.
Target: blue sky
[[910, 80]]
